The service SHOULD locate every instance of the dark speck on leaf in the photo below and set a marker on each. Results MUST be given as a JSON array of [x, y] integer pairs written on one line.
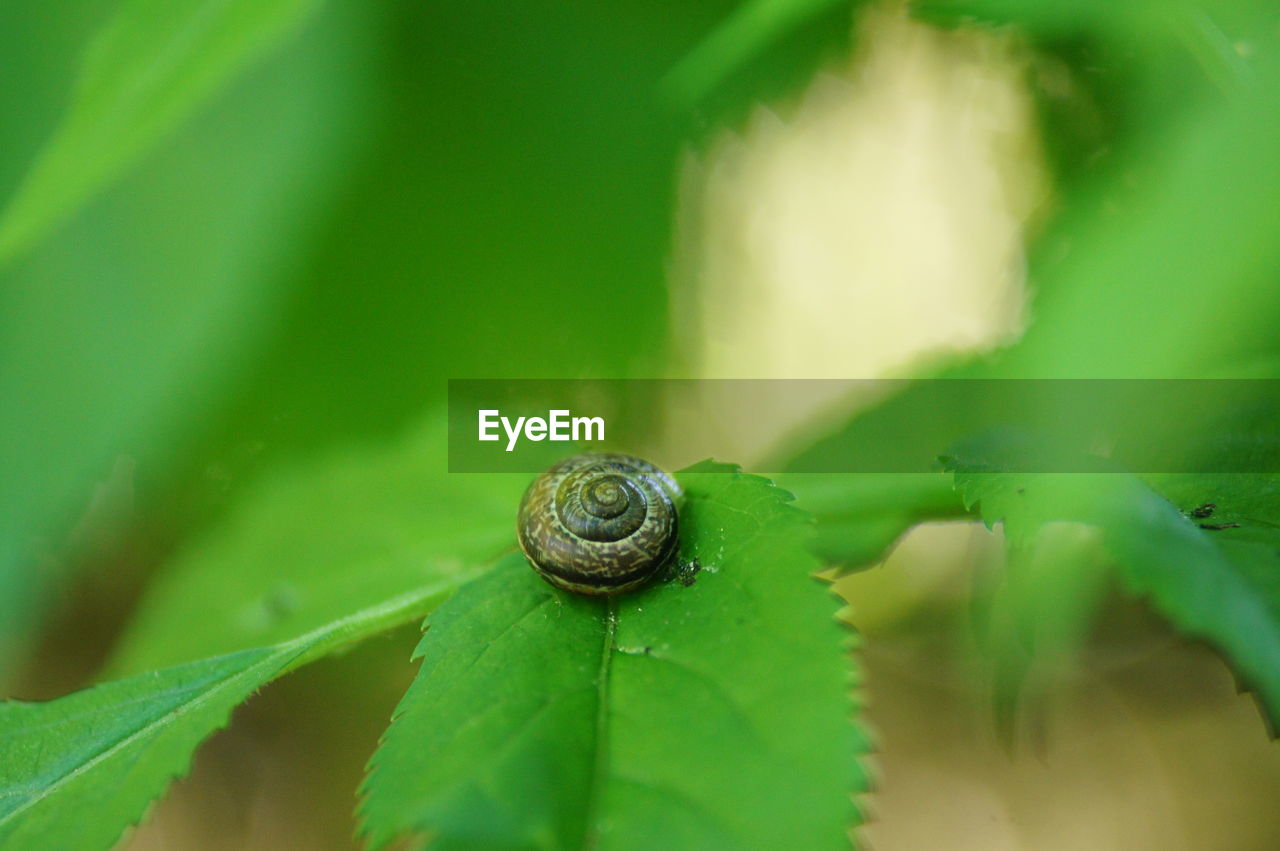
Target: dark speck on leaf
[[1204, 511], [687, 572], [684, 572], [1217, 527]]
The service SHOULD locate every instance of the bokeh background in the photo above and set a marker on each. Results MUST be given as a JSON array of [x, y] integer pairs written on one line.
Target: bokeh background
[[388, 194]]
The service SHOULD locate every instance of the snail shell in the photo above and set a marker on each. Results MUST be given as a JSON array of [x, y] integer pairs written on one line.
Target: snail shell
[[599, 523]]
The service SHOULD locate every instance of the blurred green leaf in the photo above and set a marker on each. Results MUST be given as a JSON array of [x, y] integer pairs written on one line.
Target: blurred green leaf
[[1051, 17], [860, 516], [1218, 584], [1160, 263], [714, 715], [1037, 620], [313, 543], [149, 68], [492, 231], [1037, 615], [42, 45], [741, 36], [1132, 19], [1167, 272], [75, 772], [118, 332]]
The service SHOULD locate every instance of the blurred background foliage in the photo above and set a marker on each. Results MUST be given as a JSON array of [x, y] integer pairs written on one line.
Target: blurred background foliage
[[258, 239]]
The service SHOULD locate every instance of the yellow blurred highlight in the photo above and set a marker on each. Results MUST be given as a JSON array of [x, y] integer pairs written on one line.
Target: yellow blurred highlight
[[877, 226]]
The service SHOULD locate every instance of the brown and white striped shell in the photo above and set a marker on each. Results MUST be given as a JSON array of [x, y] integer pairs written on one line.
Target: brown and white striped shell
[[599, 523]]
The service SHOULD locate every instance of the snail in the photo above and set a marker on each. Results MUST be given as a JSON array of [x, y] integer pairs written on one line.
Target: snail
[[599, 524]]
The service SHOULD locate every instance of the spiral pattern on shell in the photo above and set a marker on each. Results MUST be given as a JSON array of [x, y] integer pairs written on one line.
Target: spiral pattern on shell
[[599, 523]]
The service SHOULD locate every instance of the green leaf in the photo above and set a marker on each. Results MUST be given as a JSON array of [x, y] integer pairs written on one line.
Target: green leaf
[[713, 715], [1211, 276], [118, 332], [314, 543], [860, 516], [447, 198], [1187, 20], [1052, 18], [152, 64], [1218, 584], [1178, 219], [1032, 625], [747, 32], [75, 772]]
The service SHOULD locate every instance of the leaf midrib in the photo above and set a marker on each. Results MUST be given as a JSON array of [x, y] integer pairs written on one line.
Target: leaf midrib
[[600, 765], [169, 717]]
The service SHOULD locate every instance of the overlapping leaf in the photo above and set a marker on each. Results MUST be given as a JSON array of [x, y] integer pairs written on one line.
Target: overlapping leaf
[[1218, 584], [711, 715], [75, 772]]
